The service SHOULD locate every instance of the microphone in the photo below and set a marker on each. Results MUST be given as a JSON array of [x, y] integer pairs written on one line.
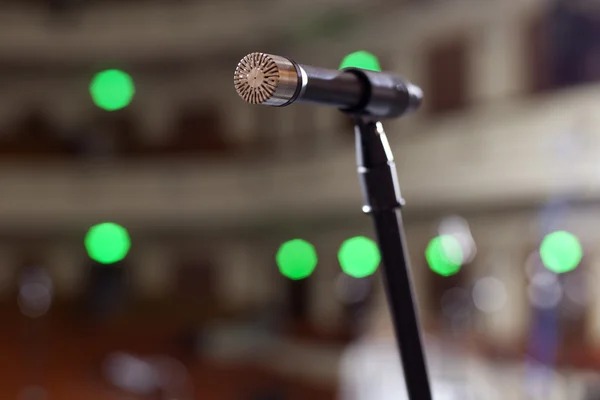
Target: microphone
[[279, 81]]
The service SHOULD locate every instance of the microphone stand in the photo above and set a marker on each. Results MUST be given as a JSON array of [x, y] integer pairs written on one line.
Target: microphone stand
[[382, 200]]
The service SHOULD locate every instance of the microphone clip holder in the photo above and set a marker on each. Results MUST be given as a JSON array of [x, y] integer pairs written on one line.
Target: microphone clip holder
[[383, 201]]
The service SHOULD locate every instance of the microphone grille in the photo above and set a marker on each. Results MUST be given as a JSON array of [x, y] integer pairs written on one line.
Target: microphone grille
[[256, 78]]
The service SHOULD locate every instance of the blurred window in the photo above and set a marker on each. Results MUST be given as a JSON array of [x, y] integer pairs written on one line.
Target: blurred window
[[447, 75], [536, 51], [563, 47]]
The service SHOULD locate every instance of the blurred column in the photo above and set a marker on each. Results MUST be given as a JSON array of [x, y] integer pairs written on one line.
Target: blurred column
[[269, 289], [328, 128], [233, 275], [270, 129], [152, 269], [238, 120], [325, 306], [244, 277], [303, 141], [508, 324], [282, 131], [593, 309], [67, 266], [67, 104], [154, 106], [496, 59], [7, 270], [10, 104]]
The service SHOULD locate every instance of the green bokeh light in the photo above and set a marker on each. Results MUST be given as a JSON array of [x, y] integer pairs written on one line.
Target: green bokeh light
[[359, 257], [107, 243], [296, 259], [561, 252], [361, 59], [112, 89], [444, 255]]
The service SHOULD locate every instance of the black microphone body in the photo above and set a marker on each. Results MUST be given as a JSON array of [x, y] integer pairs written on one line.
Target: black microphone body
[[278, 81], [368, 96]]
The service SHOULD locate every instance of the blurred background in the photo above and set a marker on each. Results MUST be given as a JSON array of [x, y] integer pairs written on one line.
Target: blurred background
[[162, 239]]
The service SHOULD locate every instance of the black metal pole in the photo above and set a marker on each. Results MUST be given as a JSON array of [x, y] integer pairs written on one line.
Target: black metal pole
[[382, 199]]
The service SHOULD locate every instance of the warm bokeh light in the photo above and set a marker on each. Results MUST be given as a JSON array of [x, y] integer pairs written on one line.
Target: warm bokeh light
[[561, 252], [359, 257], [296, 259], [362, 60], [112, 89], [444, 255], [107, 243]]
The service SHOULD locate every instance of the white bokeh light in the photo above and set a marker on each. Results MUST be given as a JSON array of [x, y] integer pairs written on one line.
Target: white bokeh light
[[490, 295], [131, 374], [35, 292], [576, 288], [545, 291], [458, 228]]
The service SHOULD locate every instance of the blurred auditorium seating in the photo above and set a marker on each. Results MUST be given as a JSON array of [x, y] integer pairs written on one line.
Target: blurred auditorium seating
[[70, 359], [68, 352]]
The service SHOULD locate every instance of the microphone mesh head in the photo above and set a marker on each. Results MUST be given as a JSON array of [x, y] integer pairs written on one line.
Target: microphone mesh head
[[256, 78]]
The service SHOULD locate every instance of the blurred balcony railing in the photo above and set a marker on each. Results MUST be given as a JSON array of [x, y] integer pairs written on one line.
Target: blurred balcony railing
[[153, 29], [520, 151]]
